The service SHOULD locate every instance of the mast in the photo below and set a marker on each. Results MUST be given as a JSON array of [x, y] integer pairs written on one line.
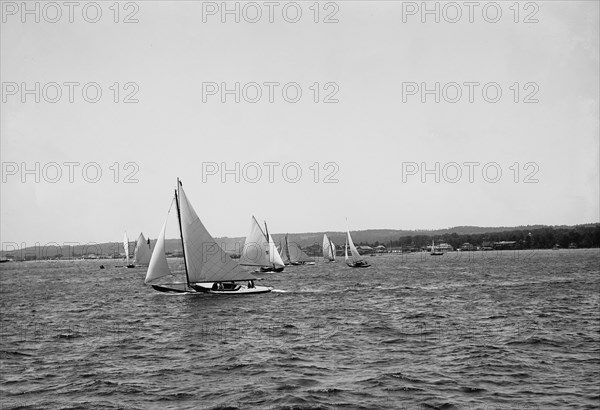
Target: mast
[[287, 249], [187, 278]]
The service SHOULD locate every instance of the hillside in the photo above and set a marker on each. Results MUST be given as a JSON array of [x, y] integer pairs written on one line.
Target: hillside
[[541, 237]]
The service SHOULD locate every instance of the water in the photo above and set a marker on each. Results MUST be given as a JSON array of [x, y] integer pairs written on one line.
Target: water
[[461, 331]]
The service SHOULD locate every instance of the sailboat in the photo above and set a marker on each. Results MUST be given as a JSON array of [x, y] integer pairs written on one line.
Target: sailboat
[[260, 250], [328, 249], [126, 247], [208, 269], [142, 252], [283, 252], [295, 254], [355, 260], [433, 251]]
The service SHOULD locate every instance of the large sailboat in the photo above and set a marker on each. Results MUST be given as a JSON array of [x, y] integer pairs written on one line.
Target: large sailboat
[[260, 250], [142, 252], [328, 249], [126, 247], [207, 268], [355, 260]]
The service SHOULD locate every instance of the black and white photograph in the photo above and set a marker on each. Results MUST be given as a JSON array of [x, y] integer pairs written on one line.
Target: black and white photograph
[[300, 205]]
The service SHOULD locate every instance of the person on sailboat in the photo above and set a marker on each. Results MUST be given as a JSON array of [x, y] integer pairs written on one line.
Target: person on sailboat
[[250, 284]]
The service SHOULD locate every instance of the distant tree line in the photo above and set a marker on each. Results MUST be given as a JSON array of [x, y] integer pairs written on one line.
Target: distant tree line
[[581, 236]]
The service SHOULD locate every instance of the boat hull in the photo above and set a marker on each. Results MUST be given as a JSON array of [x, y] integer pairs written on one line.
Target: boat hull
[[270, 269], [207, 288], [231, 290], [358, 265]]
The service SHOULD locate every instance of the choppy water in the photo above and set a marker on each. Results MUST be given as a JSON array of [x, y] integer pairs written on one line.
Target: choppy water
[[465, 331]]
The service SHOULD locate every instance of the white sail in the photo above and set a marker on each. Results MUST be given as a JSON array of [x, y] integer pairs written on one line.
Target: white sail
[[142, 253], [158, 266], [255, 251], [274, 257], [126, 247], [355, 255], [328, 248], [346, 250], [206, 261]]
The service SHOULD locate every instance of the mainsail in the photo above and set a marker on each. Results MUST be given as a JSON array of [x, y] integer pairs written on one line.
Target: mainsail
[[255, 251], [355, 255], [346, 250], [142, 251], [158, 266], [205, 260], [328, 249], [274, 257], [126, 246]]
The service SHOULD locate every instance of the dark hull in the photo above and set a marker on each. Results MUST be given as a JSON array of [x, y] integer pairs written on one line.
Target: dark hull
[[269, 269], [167, 290], [358, 265]]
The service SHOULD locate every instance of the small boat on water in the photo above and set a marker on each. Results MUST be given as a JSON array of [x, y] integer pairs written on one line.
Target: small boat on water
[[208, 269], [260, 251], [328, 249], [355, 260], [126, 247], [435, 252]]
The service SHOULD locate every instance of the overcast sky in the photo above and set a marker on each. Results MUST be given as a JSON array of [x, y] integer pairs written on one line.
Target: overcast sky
[[370, 146]]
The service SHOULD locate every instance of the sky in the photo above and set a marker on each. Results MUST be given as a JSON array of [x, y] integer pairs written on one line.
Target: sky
[[336, 116]]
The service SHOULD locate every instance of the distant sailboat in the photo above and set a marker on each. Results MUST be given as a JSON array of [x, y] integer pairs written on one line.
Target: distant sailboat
[[260, 250], [295, 254], [355, 261], [284, 252], [126, 247], [328, 249], [208, 269], [433, 251], [142, 253]]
